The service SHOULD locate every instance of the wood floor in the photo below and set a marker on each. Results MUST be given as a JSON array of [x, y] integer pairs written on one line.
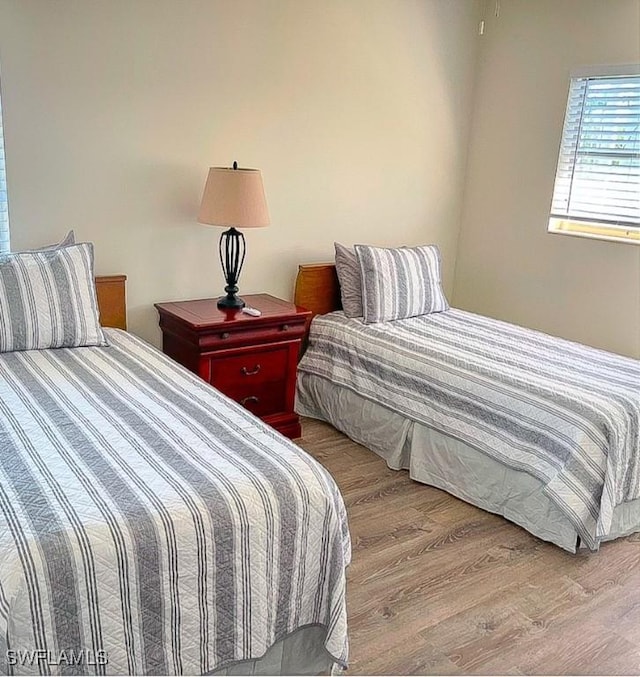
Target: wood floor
[[437, 586]]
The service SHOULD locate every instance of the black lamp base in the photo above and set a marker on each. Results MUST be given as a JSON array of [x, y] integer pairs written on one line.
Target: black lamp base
[[232, 251], [231, 301]]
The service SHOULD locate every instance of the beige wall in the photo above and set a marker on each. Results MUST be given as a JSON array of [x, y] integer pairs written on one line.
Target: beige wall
[[357, 112], [508, 266]]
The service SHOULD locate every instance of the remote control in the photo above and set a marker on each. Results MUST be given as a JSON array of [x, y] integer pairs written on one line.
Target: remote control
[[254, 312]]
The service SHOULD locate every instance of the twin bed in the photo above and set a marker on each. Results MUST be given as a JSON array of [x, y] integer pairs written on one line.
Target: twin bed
[[150, 525], [538, 429]]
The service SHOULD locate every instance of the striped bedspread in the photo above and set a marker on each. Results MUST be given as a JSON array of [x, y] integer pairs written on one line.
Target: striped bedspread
[[148, 525], [566, 414]]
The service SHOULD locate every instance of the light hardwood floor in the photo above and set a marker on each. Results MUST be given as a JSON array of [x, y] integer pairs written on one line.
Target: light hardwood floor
[[437, 586]]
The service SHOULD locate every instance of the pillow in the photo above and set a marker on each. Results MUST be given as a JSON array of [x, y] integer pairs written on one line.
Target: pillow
[[348, 271], [48, 300], [399, 283], [68, 239]]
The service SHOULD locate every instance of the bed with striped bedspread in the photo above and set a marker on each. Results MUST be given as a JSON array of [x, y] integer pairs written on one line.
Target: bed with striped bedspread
[[564, 413], [147, 519]]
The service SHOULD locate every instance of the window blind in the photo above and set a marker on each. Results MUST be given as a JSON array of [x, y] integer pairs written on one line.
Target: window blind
[[598, 174], [4, 206]]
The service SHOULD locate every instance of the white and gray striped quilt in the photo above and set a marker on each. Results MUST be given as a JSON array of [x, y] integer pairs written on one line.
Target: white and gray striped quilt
[[565, 413], [149, 525]]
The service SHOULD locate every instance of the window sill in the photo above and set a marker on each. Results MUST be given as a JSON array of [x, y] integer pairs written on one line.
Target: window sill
[[594, 231]]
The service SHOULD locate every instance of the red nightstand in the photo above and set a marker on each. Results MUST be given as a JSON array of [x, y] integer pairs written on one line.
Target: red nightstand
[[253, 360]]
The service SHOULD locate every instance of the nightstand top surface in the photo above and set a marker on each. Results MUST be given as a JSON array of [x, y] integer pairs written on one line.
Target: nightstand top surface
[[203, 313]]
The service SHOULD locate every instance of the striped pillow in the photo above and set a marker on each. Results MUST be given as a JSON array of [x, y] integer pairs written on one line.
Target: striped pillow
[[399, 283], [348, 271], [68, 239], [48, 300]]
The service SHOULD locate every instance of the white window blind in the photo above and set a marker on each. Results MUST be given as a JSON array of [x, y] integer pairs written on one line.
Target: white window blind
[[598, 176], [4, 207]]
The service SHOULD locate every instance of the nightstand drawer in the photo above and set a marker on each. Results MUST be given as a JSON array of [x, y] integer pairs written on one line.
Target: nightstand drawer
[[249, 367], [242, 336], [261, 399]]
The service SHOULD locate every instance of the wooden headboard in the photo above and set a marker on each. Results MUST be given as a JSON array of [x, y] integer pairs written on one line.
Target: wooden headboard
[[317, 288], [112, 300]]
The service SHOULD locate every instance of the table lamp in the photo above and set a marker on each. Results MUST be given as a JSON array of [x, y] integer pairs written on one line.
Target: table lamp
[[233, 198]]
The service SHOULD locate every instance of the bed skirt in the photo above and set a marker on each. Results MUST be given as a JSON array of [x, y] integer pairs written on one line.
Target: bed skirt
[[300, 653]]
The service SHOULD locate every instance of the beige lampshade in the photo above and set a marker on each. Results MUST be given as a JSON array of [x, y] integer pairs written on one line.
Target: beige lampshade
[[234, 197]]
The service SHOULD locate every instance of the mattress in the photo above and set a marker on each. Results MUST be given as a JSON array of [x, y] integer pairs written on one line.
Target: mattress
[[564, 414], [149, 525]]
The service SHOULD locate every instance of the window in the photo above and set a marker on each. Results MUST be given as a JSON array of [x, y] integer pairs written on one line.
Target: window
[[597, 187], [4, 207]]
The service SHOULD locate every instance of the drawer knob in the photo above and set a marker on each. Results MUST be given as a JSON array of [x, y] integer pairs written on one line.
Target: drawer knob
[[285, 327], [224, 335], [251, 372], [251, 398]]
